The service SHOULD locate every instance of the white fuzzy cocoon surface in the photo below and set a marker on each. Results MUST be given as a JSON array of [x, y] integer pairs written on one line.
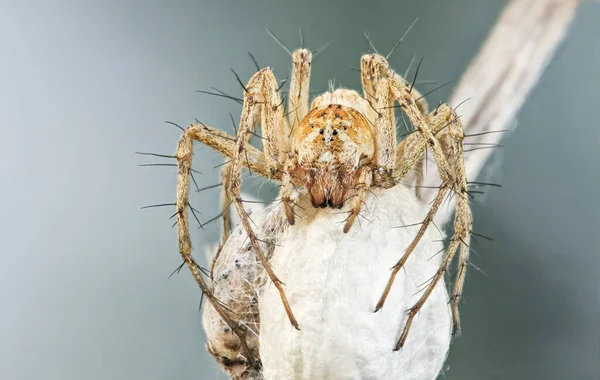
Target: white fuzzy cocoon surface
[[333, 282]]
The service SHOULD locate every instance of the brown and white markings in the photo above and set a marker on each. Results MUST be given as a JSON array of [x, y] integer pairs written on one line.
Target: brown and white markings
[[336, 151]]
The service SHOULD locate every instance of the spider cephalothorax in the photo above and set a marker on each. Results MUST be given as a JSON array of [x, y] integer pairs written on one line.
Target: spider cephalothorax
[[329, 145], [335, 150]]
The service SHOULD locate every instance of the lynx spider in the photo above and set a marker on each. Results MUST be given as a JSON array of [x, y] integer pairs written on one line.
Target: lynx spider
[[336, 149]]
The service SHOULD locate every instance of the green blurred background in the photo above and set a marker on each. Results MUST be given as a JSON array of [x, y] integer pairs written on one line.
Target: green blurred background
[[83, 271]]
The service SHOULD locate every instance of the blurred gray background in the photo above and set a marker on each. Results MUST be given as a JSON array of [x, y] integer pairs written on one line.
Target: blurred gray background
[[83, 273]]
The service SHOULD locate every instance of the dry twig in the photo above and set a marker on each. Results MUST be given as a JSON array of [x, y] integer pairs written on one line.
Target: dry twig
[[502, 75]]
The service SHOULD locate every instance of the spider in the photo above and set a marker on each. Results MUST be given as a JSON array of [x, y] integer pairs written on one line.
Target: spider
[[335, 151]]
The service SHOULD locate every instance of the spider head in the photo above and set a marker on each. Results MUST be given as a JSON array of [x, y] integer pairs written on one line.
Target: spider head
[[330, 144]]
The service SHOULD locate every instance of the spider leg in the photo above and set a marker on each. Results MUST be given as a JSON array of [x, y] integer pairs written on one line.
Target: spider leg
[[452, 139], [446, 123], [299, 88], [261, 103], [454, 242], [184, 163], [405, 98], [410, 152], [261, 100], [225, 202], [363, 184], [409, 250], [253, 159], [375, 68], [389, 88], [376, 77], [288, 190], [225, 213], [241, 154], [298, 106]]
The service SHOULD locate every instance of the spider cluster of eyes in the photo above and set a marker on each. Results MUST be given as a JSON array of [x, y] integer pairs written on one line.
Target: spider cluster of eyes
[[335, 131]]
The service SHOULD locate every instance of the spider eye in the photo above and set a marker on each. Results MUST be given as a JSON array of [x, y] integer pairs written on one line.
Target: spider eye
[[335, 132], [321, 131]]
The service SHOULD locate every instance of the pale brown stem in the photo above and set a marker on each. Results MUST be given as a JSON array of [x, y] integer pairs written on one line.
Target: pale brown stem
[[503, 73]]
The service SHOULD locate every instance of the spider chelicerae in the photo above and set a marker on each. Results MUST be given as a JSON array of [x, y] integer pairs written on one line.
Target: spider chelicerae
[[333, 151]]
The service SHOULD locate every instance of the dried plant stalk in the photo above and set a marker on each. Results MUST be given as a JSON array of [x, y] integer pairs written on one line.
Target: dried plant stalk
[[501, 76]]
